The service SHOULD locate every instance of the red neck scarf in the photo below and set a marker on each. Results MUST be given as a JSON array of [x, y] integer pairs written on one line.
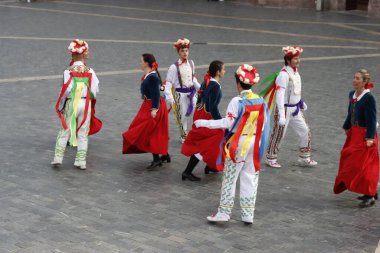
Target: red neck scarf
[[183, 61]]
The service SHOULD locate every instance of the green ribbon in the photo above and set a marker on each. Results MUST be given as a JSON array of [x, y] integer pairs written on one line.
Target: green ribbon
[[73, 119], [267, 83]]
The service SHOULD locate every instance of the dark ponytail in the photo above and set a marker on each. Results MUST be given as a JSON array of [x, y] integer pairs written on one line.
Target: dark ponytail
[[151, 60], [214, 67]]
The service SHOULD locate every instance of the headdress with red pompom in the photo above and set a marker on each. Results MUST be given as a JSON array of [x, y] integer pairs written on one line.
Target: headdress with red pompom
[[248, 74], [182, 43], [292, 51], [78, 47]]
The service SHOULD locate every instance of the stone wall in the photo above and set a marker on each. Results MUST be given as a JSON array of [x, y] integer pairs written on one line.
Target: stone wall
[[374, 8], [288, 3], [336, 5]]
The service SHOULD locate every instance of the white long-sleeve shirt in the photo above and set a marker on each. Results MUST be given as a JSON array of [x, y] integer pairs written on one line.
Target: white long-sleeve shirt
[[289, 83], [231, 115], [187, 77]]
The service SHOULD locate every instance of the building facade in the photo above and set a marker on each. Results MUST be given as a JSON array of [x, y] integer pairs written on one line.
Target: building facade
[[370, 6]]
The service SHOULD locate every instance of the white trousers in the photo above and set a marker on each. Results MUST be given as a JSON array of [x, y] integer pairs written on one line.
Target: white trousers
[[300, 127], [82, 136], [182, 103], [249, 180]]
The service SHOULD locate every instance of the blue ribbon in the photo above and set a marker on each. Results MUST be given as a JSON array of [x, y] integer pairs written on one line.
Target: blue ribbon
[[265, 134]]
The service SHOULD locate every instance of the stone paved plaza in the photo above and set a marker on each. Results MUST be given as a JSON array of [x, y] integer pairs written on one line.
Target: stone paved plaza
[[116, 205]]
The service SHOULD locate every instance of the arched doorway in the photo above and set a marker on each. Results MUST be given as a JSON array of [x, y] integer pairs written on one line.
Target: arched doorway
[[357, 5]]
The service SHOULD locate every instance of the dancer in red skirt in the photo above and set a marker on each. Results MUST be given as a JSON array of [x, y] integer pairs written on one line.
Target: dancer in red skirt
[[359, 161], [203, 143], [149, 131]]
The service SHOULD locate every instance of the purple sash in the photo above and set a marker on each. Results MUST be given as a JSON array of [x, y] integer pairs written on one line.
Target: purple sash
[[192, 92], [299, 105]]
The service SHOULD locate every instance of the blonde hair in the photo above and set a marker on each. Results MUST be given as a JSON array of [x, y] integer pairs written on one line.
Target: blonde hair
[[365, 74]]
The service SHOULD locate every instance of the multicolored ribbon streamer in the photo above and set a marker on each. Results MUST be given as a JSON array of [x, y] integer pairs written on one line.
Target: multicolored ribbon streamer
[[79, 84], [253, 119], [269, 92]]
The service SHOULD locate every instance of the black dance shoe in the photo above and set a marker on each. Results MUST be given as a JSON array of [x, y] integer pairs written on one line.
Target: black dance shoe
[[154, 164], [166, 158], [367, 202], [208, 170], [364, 197], [190, 177]]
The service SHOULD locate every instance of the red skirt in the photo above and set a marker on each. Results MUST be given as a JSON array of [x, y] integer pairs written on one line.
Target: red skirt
[[359, 164], [148, 135], [203, 140], [95, 123]]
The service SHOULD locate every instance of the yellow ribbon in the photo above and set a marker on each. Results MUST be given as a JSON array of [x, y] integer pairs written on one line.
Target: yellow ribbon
[[174, 108], [252, 129], [77, 97], [249, 124], [227, 147]]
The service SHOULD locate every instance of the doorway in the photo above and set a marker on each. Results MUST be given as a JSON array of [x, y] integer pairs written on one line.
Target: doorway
[[361, 5]]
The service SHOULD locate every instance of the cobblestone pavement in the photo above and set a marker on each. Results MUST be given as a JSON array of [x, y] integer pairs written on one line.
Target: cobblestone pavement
[[118, 206]]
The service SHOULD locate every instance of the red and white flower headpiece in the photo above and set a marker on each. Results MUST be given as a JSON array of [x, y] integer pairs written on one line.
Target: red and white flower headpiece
[[78, 46], [292, 51], [248, 74], [182, 43]]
